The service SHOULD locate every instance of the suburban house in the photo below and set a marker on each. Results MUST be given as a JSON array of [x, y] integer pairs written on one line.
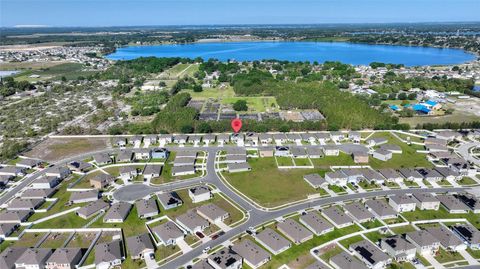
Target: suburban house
[[448, 240], [377, 141], [10, 255], [355, 137], [165, 138], [28, 163], [124, 156], [322, 137], [315, 180], [282, 151], [160, 153], [128, 172], [423, 241], [336, 178], [448, 173], [238, 167], [168, 233], [212, 213], [142, 154], [199, 194], [265, 138], [315, 152], [79, 166], [64, 258], [38, 193], [395, 149], [382, 155], [6, 229], [452, 204], [331, 150], [117, 213], [336, 216], [120, 141], [14, 216], [294, 231], [272, 241], [381, 209], [399, 248], [360, 157], [101, 180], [34, 258], [391, 175], [109, 254], [316, 223], [25, 204], [359, 212], [45, 182], [370, 254], [102, 158], [426, 201], [147, 208], [139, 246], [183, 170], [58, 171], [410, 174], [469, 234], [337, 136], [253, 255], [345, 260], [192, 222], [209, 138], [225, 258], [169, 200], [152, 171], [298, 152], [402, 203], [78, 197], [92, 209]]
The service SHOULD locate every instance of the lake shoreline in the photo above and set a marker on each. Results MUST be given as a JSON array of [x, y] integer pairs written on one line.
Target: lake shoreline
[[295, 51]]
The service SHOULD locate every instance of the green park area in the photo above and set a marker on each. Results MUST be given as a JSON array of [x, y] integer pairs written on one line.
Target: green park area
[[409, 158], [258, 183], [55, 72]]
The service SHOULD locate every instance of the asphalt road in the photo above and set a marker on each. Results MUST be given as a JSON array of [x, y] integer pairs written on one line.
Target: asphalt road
[[463, 150]]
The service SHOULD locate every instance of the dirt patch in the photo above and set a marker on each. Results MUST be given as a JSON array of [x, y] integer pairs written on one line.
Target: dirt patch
[[302, 261], [55, 149]]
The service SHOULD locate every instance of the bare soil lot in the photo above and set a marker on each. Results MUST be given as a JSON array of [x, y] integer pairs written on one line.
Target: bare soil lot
[[54, 149]]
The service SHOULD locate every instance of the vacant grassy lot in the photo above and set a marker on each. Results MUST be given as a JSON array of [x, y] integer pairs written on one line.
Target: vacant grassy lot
[[255, 104], [474, 219], [270, 186], [54, 149], [408, 158], [341, 160], [214, 93], [56, 72]]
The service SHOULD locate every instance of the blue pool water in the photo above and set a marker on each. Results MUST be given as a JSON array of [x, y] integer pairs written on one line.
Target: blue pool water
[[356, 54]]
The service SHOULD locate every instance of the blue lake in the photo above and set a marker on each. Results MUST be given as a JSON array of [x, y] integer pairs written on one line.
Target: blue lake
[[356, 54]]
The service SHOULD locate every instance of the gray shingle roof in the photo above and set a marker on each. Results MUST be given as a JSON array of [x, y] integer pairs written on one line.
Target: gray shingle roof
[[139, 243]]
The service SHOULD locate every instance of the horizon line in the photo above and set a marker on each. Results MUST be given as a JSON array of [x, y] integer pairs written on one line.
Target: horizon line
[[20, 26]]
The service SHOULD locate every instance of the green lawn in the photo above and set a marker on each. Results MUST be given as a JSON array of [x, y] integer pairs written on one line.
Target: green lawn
[[474, 253], [411, 184], [408, 158], [467, 181], [372, 224], [442, 213], [341, 160], [284, 161], [214, 93], [255, 104], [304, 248], [354, 239], [444, 256], [330, 253], [375, 236], [270, 186], [336, 189], [302, 162], [403, 229]]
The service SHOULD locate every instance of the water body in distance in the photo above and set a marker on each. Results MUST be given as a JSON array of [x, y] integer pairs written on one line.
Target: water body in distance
[[356, 54]]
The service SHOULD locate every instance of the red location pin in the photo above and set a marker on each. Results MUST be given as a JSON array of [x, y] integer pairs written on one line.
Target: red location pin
[[236, 125]]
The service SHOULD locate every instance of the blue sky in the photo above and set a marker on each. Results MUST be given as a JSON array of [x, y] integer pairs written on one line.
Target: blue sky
[[201, 12]]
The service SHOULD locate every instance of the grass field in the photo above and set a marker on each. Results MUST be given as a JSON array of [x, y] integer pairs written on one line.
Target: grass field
[[55, 72], [442, 213], [327, 161], [270, 186], [403, 229], [54, 149], [255, 104], [214, 93], [408, 158], [456, 116]]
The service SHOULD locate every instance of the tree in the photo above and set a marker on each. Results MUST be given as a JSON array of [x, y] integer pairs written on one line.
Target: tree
[[240, 105], [204, 127], [197, 88], [402, 96], [186, 129]]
